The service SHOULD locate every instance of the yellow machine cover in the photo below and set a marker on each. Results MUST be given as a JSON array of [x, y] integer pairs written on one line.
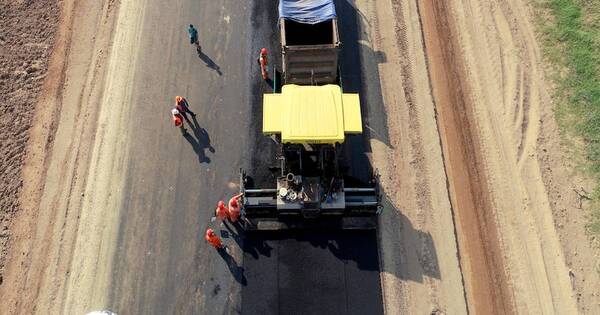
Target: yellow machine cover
[[311, 114]]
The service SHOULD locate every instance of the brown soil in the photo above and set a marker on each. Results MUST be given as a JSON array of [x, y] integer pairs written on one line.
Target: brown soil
[[481, 258], [474, 69], [480, 212], [418, 248], [39, 263], [496, 128], [27, 31]]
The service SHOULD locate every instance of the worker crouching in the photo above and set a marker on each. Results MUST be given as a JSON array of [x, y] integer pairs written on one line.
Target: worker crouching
[[213, 239]]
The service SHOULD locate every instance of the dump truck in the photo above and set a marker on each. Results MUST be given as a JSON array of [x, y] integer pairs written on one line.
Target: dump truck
[[309, 118]]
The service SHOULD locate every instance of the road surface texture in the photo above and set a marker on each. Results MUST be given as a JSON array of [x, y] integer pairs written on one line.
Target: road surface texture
[[145, 192], [312, 273], [496, 196], [22, 76], [479, 214]]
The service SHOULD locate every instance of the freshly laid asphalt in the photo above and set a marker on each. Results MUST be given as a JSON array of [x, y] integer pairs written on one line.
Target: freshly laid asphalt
[[311, 273], [163, 265]]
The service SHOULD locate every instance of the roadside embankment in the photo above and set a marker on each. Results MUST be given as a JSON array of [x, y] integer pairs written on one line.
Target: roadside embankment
[[420, 271], [27, 34], [568, 33], [64, 227], [493, 110]]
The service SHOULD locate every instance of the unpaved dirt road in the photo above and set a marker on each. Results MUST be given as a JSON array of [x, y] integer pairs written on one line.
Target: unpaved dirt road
[[496, 93], [457, 119], [466, 76]]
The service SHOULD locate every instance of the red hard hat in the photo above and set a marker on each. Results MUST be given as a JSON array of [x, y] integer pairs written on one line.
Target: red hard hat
[[210, 232], [263, 51], [221, 204], [234, 202]]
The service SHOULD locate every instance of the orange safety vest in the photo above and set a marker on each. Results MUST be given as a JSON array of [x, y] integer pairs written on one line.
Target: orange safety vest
[[177, 120], [221, 212], [263, 60], [213, 239], [234, 208]]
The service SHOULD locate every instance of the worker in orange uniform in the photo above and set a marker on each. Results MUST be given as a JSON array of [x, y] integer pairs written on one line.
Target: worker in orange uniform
[[213, 239], [235, 207], [262, 62], [221, 212], [183, 107], [177, 119]]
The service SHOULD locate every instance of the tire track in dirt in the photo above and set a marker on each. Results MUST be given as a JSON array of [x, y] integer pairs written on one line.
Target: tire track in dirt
[[487, 286], [419, 257]]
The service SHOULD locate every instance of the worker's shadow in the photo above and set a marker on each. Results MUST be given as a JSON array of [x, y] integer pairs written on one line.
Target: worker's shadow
[[236, 270], [209, 62], [200, 140]]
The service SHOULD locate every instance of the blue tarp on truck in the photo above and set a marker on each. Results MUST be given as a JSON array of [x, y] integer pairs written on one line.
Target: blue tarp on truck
[[307, 11]]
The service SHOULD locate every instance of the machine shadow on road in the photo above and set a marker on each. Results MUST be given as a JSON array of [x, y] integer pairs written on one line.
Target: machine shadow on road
[[361, 75], [209, 62], [255, 249], [311, 272], [415, 248], [418, 256], [200, 141]]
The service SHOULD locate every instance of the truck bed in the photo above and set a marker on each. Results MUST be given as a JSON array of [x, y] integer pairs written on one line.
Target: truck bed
[[310, 42]]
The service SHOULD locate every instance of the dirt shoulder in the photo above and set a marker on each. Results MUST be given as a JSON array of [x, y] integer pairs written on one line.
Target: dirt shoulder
[[509, 116], [418, 246], [27, 39], [487, 288], [474, 69], [45, 233]]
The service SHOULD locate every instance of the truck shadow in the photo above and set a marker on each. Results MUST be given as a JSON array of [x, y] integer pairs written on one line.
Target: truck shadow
[[414, 249], [356, 56], [359, 74]]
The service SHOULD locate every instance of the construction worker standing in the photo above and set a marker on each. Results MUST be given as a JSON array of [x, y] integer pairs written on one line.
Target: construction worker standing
[[194, 36], [182, 106], [221, 212], [177, 118], [213, 239], [235, 207], [263, 63]]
